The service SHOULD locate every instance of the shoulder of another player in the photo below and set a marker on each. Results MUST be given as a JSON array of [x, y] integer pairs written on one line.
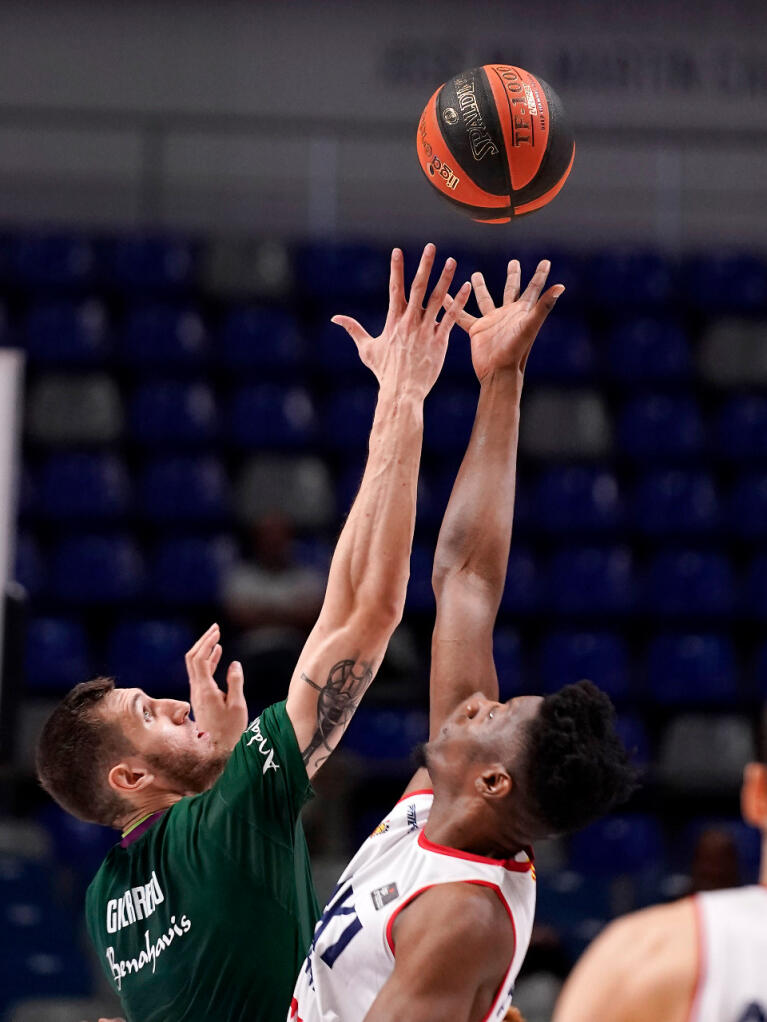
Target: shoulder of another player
[[641, 965]]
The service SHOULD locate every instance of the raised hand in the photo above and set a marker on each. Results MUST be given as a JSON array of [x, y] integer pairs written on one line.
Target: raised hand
[[224, 715], [502, 337], [410, 351]]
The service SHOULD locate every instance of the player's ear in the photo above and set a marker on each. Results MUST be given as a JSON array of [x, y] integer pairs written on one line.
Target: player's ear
[[129, 778], [494, 781], [753, 795]]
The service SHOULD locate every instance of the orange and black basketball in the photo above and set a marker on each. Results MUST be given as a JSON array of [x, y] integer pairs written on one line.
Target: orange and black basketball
[[495, 143]]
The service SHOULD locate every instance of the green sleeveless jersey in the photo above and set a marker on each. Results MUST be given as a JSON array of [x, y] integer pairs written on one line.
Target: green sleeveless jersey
[[206, 910]]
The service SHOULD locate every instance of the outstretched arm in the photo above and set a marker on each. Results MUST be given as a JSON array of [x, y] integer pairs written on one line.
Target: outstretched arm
[[368, 576], [473, 546]]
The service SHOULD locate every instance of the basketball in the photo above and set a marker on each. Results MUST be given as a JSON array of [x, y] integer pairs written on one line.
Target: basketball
[[495, 143]]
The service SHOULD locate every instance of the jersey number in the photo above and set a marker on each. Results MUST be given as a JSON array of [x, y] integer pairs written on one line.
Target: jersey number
[[338, 906]]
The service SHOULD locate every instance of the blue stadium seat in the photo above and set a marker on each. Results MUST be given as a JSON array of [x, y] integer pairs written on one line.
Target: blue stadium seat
[[760, 671], [28, 492], [164, 337], [389, 734], [563, 352], [458, 365], [430, 503], [628, 278], [22, 878], [36, 925], [30, 569], [184, 489], [262, 338], [632, 732], [52, 260], [726, 282], [648, 350], [331, 271], [742, 427], [617, 845], [672, 502], [56, 653], [590, 580], [575, 498], [173, 414], [601, 657], [690, 669], [67, 333], [313, 552], [149, 654], [420, 596], [79, 846], [27, 972], [448, 419], [522, 592], [76, 486], [347, 416], [507, 654], [754, 599], [97, 569], [575, 905], [151, 263], [190, 571], [334, 353], [268, 416], [660, 426], [747, 506], [689, 582]]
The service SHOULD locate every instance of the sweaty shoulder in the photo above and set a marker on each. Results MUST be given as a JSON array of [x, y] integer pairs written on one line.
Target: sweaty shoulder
[[458, 913], [644, 965]]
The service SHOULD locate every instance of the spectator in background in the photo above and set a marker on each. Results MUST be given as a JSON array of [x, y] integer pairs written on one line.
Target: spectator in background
[[714, 862], [274, 601]]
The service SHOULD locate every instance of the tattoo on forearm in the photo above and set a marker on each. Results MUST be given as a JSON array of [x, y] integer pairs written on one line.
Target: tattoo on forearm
[[337, 700]]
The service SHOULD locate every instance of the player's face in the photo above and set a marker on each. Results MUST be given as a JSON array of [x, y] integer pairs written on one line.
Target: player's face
[[481, 729], [165, 736]]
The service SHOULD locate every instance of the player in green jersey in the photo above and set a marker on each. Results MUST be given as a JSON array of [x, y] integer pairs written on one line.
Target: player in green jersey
[[205, 908]]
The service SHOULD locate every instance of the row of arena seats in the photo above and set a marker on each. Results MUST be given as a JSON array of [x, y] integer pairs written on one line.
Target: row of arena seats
[[692, 752], [618, 278], [275, 343], [680, 583], [615, 865], [668, 669], [91, 409], [575, 500]]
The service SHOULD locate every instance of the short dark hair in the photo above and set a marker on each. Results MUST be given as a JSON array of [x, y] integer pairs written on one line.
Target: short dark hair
[[575, 766], [74, 752]]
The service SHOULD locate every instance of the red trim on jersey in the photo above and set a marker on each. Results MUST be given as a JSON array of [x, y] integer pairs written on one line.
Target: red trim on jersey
[[396, 912], [409, 794], [700, 975], [294, 1011], [496, 888], [478, 883], [510, 864]]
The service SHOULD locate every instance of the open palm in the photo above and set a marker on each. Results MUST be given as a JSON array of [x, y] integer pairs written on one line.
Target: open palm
[[502, 337]]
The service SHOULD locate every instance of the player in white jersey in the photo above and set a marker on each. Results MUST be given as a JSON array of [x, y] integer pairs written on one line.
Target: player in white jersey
[[431, 919], [701, 959]]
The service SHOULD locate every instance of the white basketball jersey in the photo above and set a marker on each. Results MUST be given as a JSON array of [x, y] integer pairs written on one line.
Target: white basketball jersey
[[732, 983], [352, 953]]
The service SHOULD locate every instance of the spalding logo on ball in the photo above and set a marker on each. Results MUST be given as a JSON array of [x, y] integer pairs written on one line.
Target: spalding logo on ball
[[494, 142]]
